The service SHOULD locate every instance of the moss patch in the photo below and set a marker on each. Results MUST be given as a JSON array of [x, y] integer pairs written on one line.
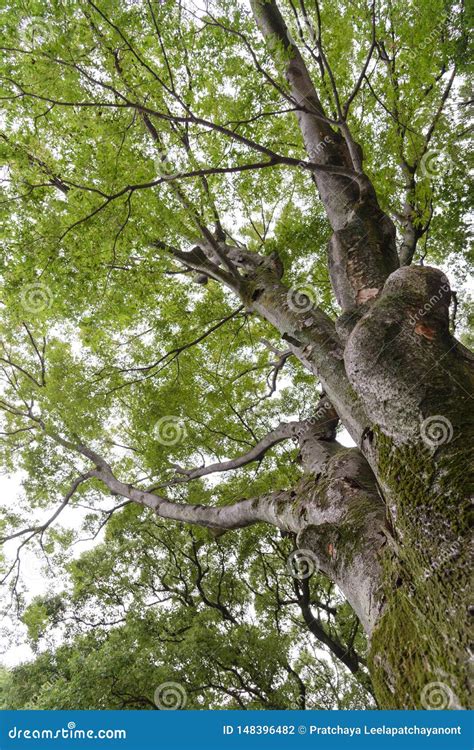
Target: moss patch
[[423, 636]]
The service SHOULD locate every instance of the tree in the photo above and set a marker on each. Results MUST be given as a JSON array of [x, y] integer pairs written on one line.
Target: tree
[[179, 629], [188, 188]]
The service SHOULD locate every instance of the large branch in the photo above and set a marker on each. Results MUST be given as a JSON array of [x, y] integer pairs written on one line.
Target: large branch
[[240, 514], [322, 142], [284, 431], [362, 249], [312, 337], [320, 426], [309, 332], [335, 501], [276, 508], [189, 119]]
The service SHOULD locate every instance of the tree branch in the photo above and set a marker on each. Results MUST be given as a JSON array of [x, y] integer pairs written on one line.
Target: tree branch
[[284, 431]]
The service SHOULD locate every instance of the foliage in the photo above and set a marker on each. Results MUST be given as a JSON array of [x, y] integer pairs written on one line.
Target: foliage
[[108, 109]]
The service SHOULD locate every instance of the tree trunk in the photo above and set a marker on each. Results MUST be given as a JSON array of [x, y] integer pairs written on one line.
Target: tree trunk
[[416, 392], [403, 565], [401, 557]]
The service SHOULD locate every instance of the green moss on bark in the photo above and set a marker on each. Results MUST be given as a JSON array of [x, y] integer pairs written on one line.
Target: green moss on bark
[[422, 637]]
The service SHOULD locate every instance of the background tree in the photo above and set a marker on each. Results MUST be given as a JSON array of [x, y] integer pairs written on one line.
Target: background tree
[[189, 628], [220, 220]]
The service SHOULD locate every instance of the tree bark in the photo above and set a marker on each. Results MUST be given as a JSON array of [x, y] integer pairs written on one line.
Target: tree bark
[[362, 250], [416, 383]]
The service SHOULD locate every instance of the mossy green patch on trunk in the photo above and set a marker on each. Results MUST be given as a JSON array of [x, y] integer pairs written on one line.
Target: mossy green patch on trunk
[[422, 638]]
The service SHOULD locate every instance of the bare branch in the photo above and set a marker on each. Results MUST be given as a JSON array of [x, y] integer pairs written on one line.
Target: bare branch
[[34, 530], [284, 431]]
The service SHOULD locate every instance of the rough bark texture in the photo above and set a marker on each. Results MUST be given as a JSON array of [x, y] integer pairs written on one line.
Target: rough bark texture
[[417, 392], [362, 248]]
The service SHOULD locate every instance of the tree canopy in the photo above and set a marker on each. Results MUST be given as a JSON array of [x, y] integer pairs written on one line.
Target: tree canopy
[[133, 133]]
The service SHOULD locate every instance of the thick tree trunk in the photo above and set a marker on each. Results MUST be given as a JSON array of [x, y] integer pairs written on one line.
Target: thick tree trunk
[[408, 578], [421, 637], [416, 383], [402, 557], [405, 571]]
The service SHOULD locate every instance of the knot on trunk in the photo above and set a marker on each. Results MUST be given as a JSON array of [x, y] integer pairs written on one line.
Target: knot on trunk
[[401, 358]]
